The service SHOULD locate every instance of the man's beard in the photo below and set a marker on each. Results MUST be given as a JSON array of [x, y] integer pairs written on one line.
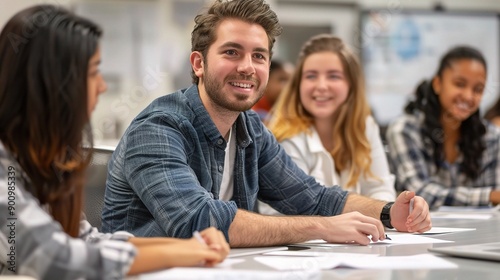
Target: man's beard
[[214, 90]]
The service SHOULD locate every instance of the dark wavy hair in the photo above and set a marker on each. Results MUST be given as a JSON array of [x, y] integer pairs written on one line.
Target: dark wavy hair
[[251, 11], [427, 102], [44, 54]]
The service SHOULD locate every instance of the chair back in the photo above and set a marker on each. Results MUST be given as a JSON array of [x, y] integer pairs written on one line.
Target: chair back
[[95, 184]]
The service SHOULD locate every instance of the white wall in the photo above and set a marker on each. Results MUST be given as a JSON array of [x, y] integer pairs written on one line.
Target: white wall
[[481, 5], [159, 63], [9, 7]]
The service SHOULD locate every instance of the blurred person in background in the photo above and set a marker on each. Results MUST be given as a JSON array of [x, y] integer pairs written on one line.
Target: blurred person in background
[[279, 74], [323, 121], [441, 148]]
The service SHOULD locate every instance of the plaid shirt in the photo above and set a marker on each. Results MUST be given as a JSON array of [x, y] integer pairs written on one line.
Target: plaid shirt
[[32, 243], [412, 159], [165, 175]]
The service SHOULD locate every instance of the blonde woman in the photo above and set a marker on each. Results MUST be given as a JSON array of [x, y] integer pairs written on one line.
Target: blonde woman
[[323, 121]]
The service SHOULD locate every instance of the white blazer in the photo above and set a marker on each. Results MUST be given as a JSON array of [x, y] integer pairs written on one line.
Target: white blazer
[[308, 153]]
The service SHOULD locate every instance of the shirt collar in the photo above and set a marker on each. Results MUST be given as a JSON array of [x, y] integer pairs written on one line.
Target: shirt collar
[[242, 135], [313, 140]]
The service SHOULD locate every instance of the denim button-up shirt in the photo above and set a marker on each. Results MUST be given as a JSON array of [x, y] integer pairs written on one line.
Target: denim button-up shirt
[[165, 174]]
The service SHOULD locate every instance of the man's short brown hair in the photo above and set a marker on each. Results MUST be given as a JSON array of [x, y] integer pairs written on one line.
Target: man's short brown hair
[[251, 11]]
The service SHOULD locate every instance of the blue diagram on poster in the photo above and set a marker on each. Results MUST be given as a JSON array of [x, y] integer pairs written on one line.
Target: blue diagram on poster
[[406, 40]]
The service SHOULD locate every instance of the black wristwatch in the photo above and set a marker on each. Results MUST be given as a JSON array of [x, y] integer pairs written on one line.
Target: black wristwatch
[[385, 215]]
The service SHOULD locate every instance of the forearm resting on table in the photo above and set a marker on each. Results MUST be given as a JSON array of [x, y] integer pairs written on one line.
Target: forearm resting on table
[[173, 252], [253, 230], [364, 205], [139, 241], [149, 257]]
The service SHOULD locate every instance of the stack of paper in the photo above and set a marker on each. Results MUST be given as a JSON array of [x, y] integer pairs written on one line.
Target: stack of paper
[[422, 261], [395, 239], [226, 274], [433, 231]]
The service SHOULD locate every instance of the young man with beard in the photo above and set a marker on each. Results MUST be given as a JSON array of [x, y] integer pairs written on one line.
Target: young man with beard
[[199, 157]]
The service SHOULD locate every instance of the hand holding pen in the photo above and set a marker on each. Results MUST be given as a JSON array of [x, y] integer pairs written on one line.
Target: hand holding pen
[[412, 201], [213, 240], [410, 213]]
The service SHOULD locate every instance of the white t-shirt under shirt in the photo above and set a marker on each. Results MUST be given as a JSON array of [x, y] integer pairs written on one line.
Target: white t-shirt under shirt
[[226, 187]]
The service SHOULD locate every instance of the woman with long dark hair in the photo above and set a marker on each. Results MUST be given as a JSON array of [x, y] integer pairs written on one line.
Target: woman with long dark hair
[[441, 148], [49, 85]]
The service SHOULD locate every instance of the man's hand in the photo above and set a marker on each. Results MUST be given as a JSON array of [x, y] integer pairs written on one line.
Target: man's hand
[[352, 227], [419, 220]]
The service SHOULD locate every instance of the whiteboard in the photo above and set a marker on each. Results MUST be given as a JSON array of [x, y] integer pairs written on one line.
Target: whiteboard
[[401, 49]]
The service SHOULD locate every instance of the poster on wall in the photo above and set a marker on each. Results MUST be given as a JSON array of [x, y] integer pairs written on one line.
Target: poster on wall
[[401, 49]]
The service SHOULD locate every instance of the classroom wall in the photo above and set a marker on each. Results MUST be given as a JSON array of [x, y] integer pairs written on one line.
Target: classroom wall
[[146, 43], [9, 7]]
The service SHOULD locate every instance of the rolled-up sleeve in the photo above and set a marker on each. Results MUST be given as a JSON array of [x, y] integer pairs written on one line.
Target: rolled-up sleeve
[[288, 189], [158, 165]]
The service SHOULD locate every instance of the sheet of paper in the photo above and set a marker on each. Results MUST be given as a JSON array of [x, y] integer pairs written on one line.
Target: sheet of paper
[[240, 252], [409, 239], [303, 263], [432, 231], [227, 263], [460, 216], [395, 239], [316, 254], [319, 242], [226, 274], [422, 261], [469, 209]]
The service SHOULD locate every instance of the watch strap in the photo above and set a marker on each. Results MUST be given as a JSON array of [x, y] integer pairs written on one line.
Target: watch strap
[[385, 215]]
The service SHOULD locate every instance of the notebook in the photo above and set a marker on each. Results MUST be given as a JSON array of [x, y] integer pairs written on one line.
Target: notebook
[[484, 251]]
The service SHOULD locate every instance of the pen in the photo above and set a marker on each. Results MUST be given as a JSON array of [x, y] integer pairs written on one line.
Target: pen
[[411, 206], [198, 237], [387, 237]]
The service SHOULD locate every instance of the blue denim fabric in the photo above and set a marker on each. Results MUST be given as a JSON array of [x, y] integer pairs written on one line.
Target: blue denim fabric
[[165, 175]]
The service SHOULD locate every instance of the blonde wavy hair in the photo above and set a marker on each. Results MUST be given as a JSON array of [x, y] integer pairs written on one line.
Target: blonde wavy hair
[[351, 148]]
